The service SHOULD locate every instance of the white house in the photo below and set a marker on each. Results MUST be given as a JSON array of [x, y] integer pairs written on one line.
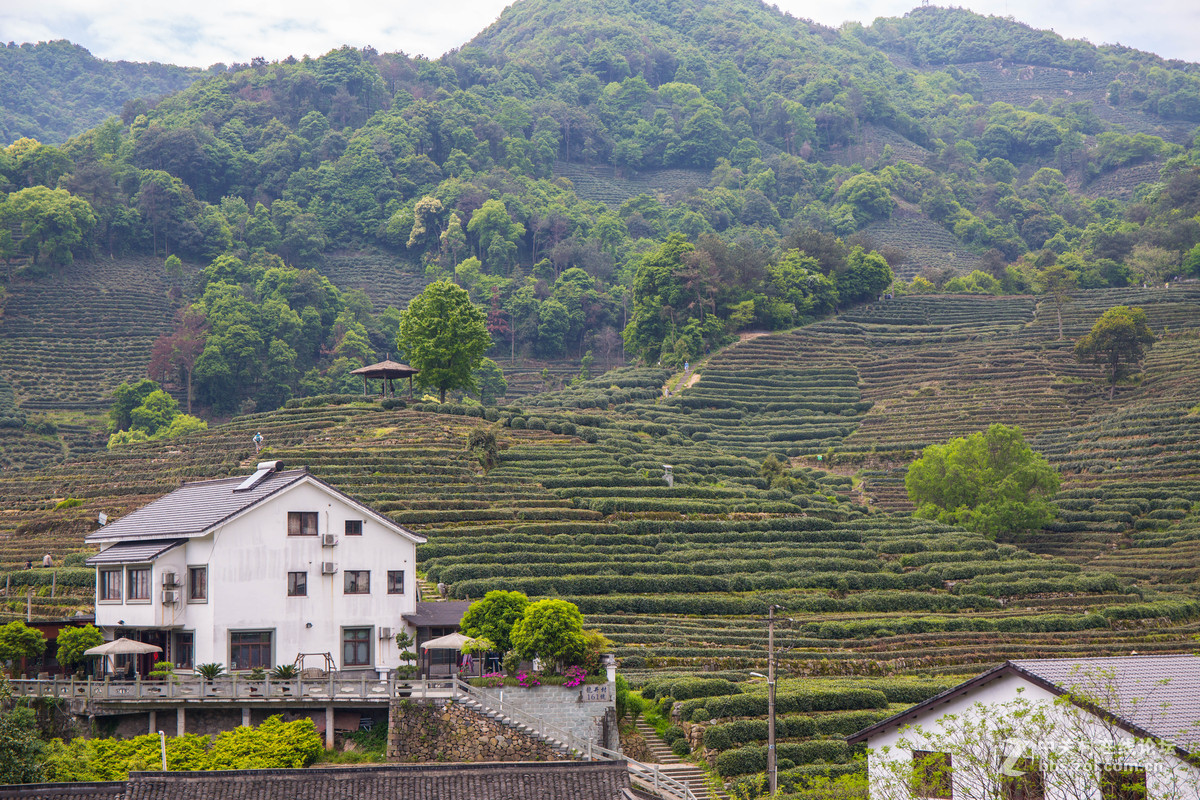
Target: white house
[[1121, 728], [253, 571]]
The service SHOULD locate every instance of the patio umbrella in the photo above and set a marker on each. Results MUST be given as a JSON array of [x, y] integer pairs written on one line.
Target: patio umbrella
[[452, 641], [121, 647]]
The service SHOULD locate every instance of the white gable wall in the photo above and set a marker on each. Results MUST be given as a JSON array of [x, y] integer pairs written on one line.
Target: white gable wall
[[248, 561], [1169, 779]]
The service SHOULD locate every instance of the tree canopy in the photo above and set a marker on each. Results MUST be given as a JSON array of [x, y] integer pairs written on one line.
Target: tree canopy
[[444, 336], [991, 482], [551, 630], [1118, 341], [493, 617]]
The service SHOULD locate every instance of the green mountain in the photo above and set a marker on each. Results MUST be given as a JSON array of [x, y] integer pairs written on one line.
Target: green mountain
[[612, 175], [51, 91]]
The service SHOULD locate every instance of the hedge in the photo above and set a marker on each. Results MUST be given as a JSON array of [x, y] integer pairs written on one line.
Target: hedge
[[745, 760], [755, 705]]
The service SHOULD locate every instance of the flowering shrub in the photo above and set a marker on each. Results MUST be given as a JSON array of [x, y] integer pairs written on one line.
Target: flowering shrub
[[527, 680], [493, 679], [574, 676]]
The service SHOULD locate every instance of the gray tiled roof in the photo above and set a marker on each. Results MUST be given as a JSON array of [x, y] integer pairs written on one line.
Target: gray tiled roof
[[566, 780], [1160, 694], [1156, 696], [194, 508], [133, 552], [441, 614], [105, 790]]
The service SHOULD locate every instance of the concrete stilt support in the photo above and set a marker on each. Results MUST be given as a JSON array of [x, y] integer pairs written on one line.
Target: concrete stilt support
[[180, 721], [153, 722], [328, 727], [246, 716]]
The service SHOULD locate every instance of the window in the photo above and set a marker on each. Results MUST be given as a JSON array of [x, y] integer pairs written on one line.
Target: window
[[354, 527], [250, 649], [139, 583], [356, 647], [1030, 785], [110, 585], [358, 581], [1122, 784], [297, 584], [302, 523], [184, 650], [932, 775], [197, 584], [395, 581]]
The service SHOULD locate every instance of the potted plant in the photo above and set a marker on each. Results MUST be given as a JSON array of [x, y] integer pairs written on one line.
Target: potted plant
[[285, 672], [210, 672]]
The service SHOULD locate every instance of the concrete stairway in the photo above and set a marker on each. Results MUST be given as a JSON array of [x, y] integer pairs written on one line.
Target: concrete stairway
[[670, 764], [513, 724]]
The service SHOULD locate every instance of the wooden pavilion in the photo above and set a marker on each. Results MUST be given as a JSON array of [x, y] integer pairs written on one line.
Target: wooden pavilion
[[387, 371]]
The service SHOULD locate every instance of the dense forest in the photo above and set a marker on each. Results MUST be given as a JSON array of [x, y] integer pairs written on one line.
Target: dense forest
[[782, 157]]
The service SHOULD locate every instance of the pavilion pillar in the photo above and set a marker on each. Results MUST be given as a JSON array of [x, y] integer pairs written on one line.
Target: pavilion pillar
[[328, 727]]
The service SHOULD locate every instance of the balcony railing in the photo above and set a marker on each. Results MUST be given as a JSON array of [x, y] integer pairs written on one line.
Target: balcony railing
[[237, 688]]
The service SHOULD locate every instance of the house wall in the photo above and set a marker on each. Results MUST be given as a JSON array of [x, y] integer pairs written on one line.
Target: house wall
[[1167, 777], [564, 708], [248, 562]]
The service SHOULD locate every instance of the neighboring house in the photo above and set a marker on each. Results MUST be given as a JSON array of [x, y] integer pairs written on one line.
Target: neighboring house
[[1121, 728], [253, 571]]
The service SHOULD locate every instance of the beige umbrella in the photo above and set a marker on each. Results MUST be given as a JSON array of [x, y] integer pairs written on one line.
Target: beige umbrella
[[121, 647], [452, 641]]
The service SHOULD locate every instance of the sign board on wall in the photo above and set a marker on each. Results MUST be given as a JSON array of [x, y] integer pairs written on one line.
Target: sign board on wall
[[597, 693]]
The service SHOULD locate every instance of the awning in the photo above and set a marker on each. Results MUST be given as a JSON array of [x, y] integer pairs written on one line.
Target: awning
[[452, 641], [133, 552]]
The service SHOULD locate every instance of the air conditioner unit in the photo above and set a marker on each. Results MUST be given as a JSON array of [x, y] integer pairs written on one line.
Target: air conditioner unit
[[385, 633], [328, 540], [170, 596], [328, 568], [170, 579]]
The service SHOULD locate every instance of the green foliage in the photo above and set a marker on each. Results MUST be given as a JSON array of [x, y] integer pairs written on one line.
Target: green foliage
[[551, 630], [444, 336], [72, 642], [18, 641], [210, 671], [989, 482], [1118, 341], [493, 617], [274, 744], [54, 223], [20, 748]]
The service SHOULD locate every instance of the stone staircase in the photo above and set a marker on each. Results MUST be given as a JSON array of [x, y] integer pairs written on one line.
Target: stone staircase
[[687, 774], [691, 775], [426, 591], [516, 725]]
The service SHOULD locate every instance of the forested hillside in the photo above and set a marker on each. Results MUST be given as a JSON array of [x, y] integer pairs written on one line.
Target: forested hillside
[[808, 253], [51, 91], [637, 179]]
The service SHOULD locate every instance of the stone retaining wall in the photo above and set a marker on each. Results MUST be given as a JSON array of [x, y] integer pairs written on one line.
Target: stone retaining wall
[[440, 730]]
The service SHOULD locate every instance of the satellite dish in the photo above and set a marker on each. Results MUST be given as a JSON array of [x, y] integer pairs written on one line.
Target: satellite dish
[[103, 518]]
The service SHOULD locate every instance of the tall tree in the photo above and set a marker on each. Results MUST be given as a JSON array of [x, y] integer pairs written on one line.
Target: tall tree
[[445, 336], [990, 482], [1119, 341], [1057, 282]]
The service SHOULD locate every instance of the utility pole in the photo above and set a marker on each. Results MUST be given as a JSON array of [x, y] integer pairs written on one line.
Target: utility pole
[[772, 765]]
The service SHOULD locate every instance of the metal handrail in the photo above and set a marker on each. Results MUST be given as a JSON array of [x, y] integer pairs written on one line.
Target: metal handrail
[[587, 749]]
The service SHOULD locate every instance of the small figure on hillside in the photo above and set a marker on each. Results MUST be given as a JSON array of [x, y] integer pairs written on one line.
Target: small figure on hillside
[[687, 366], [666, 392], [29, 563], [258, 440], [47, 561]]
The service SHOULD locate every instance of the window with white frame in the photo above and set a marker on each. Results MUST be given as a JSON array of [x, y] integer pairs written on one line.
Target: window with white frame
[[139, 583], [110, 585], [198, 584]]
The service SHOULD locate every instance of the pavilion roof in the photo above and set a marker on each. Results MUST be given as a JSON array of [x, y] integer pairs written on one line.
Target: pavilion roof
[[386, 369]]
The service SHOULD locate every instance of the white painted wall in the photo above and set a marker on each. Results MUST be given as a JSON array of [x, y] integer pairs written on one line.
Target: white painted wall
[[248, 561], [1168, 777]]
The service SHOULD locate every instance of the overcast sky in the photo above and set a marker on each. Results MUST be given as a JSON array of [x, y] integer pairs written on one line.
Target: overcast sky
[[228, 31]]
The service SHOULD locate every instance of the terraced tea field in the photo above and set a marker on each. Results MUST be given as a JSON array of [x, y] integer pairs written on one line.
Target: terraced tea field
[[66, 340]]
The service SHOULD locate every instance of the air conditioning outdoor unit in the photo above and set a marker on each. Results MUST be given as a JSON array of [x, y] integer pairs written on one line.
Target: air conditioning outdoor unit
[[170, 579], [385, 633], [328, 568], [170, 596], [328, 540]]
